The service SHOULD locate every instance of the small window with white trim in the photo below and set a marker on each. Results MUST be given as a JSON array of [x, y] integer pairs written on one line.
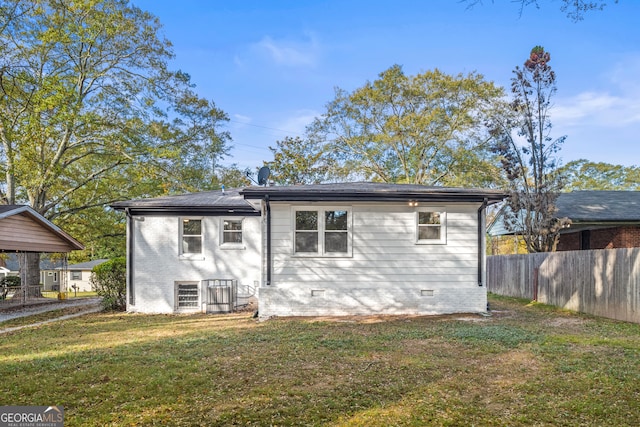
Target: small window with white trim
[[190, 236], [431, 226], [322, 232], [231, 232]]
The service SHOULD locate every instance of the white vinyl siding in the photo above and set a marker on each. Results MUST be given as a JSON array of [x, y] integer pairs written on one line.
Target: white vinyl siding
[[387, 271]]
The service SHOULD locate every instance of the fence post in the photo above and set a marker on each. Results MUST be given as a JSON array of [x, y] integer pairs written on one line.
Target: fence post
[[535, 283]]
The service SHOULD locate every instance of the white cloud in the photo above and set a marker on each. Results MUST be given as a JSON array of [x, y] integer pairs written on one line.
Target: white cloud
[[294, 53], [596, 108], [298, 121], [241, 118], [617, 106], [624, 75]]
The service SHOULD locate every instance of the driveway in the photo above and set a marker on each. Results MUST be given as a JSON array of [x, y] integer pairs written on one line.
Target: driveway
[[91, 304]]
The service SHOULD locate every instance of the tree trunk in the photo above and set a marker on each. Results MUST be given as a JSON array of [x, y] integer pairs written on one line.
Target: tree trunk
[[30, 274]]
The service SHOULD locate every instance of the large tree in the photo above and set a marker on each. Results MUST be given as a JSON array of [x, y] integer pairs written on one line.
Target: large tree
[[586, 175], [574, 9], [423, 129], [299, 160], [528, 154], [90, 112]]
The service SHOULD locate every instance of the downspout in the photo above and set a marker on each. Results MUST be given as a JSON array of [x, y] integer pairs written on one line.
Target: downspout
[[129, 265], [482, 250], [268, 212]]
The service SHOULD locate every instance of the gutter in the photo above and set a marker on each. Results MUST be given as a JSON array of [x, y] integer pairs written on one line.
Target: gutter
[[129, 265], [482, 249], [268, 212]]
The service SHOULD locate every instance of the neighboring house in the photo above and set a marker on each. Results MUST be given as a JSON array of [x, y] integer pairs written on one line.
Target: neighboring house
[[78, 276], [599, 220], [22, 229], [328, 249], [50, 274]]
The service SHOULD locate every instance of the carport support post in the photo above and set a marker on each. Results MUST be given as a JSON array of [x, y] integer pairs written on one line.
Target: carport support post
[[22, 261]]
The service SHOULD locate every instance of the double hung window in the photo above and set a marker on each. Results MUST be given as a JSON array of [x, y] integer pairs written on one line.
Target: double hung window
[[322, 232], [231, 231], [431, 226], [190, 236]]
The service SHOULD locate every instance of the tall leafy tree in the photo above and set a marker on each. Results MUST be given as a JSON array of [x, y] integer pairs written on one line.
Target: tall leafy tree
[[299, 160], [586, 175], [232, 177], [528, 154], [90, 112], [422, 129]]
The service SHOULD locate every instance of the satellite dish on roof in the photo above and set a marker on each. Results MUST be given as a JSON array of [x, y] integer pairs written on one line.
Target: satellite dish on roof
[[263, 175]]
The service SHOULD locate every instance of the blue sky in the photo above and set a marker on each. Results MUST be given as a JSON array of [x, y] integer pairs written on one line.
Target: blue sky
[[272, 65]]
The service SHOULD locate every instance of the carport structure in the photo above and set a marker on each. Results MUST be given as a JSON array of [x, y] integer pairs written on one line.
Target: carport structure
[[24, 231]]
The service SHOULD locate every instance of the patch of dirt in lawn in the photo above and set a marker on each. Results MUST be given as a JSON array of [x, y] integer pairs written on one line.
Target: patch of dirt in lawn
[[380, 318], [566, 321]]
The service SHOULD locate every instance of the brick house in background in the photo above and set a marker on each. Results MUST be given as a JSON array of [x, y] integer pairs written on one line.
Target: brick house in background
[[599, 220]]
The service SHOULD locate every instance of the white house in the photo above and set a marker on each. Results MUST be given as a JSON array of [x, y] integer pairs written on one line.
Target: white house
[[79, 275], [179, 246], [326, 249]]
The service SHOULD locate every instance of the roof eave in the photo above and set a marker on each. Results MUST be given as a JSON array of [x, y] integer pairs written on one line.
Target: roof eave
[[190, 210], [438, 197], [73, 243]]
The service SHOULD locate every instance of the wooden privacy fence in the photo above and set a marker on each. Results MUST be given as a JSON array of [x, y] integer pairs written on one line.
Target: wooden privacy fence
[[599, 282]]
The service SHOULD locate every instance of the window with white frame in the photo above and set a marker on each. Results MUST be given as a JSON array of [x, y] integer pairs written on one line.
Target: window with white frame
[[191, 236], [322, 232], [431, 226], [76, 275], [231, 231]]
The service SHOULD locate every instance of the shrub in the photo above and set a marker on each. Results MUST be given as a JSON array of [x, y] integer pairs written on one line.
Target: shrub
[[10, 281], [109, 279]]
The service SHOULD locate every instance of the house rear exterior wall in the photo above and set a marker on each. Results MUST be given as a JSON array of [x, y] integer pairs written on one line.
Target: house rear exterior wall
[[603, 238], [388, 273], [156, 264]]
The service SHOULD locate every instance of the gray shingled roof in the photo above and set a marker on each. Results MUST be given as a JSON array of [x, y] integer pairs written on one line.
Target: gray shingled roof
[[203, 202], [589, 207], [597, 206], [86, 265], [233, 200]]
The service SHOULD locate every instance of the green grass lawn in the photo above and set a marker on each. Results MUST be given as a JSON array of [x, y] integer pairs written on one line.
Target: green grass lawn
[[70, 294], [525, 365]]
